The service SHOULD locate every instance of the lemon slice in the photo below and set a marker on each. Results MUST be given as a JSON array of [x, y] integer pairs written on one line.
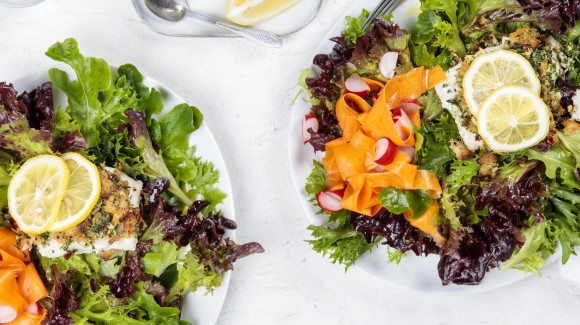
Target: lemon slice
[[250, 12], [513, 118], [490, 71], [35, 192], [82, 192]]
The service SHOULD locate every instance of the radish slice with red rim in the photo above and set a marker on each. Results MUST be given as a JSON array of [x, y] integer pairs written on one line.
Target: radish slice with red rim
[[410, 106], [409, 151], [384, 151], [309, 122], [330, 200], [356, 85], [7, 314], [403, 122], [396, 113], [388, 63]]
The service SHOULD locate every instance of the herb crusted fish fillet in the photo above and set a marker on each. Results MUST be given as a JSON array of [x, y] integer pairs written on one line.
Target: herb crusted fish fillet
[[114, 223]]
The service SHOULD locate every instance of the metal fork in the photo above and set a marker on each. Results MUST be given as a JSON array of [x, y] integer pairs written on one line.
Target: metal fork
[[384, 7]]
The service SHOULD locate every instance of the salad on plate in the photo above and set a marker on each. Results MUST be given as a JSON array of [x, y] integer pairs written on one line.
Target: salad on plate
[[108, 216], [459, 137]]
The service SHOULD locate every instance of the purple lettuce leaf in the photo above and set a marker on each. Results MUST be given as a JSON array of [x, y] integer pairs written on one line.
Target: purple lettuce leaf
[[205, 234], [396, 231], [123, 286], [71, 142], [11, 108], [558, 15], [39, 104], [568, 90], [64, 300], [515, 197]]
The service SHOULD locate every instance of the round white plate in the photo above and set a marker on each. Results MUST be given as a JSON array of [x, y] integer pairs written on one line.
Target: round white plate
[[413, 273], [198, 308]]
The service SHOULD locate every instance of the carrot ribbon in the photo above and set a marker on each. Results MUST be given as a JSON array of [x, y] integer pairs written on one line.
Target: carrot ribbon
[[349, 160]]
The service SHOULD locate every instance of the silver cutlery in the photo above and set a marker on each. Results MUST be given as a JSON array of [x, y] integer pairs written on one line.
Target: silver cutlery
[[174, 10], [383, 8]]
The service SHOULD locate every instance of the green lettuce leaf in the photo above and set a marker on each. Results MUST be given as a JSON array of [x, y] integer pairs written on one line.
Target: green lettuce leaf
[[353, 28], [559, 162], [342, 245], [572, 143], [398, 201], [460, 173], [188, 275], [431, 104], [178, 124], [433, 153], [93, 77], [530, 257], [160, 257], [96, 307], [316, 181], [565, 218]]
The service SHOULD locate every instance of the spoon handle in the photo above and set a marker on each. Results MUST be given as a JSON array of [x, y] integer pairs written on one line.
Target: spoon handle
[[255, 35]]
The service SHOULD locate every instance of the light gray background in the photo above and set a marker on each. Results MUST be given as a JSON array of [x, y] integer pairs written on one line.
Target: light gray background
[[244, 92]]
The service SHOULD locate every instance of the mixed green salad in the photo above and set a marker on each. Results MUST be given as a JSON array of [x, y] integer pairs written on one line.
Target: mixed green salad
[[507, 210], [179, 235]]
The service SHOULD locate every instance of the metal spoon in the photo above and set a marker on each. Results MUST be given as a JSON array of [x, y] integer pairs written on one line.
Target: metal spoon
[[173, 10]]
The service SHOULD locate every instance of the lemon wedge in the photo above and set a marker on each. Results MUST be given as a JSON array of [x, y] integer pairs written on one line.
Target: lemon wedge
[[513, 118], [35, 192], [82, 192], [251, 12], [492, 70]]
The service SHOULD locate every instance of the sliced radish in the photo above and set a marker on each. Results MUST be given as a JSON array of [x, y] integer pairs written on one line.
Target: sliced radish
[[410, 106], [354, 84], [330, 200], [388, 63], [375, 98], [396, 114], [34, 309], [337, 194], [309, 122], [384, 152], [402, 123], [409, 151], [7, 314]]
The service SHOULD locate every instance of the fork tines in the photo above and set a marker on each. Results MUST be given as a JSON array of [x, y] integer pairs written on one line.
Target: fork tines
[[384, 7]]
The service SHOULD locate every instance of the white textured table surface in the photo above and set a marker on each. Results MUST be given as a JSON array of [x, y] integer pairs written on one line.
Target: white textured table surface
[[244, 92]]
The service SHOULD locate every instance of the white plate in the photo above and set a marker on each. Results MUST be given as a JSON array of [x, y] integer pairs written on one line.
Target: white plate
[[413, 273], [285, 23], [198, 308]]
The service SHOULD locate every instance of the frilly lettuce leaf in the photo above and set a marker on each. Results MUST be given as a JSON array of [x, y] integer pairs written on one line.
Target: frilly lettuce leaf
[[353, 28], [342, 245], [559, 162], [434, 153], [565, 219], [529, 257], [93, 77]]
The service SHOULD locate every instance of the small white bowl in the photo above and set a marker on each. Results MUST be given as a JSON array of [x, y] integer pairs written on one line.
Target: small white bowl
[[19, 3]]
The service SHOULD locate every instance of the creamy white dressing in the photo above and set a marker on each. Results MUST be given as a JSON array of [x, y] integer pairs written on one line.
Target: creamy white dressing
[[53, 248]]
